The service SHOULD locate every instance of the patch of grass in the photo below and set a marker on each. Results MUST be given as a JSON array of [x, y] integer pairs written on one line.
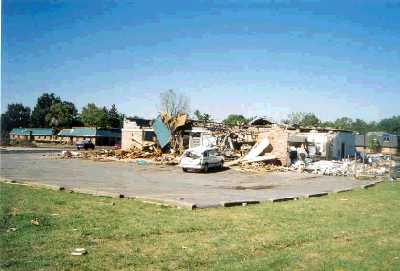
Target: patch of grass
[[351, 231]]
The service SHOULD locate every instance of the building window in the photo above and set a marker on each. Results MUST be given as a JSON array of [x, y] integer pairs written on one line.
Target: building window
[[386, 138]]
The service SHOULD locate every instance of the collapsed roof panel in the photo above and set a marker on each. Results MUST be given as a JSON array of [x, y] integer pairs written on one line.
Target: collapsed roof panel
[[162, 132]]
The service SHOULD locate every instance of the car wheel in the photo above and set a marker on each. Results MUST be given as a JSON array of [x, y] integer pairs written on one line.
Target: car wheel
[[205, 169], [185, 169], [78, 148], [221, 165]]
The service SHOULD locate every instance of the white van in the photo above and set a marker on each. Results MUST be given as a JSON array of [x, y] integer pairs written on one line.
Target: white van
[[201, 158]]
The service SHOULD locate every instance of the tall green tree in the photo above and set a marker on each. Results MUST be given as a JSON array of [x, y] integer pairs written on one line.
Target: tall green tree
[[344, 123], [234, 119], [114, 118], [62, 115], [93, 116], [17, 115], [310, 120], [294, 118], [390, 125], [360, 126], [303, 119], [42, 108]]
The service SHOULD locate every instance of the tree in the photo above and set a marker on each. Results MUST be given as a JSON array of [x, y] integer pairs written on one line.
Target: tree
[[390, 125], [62, 115], [202, 116], [310, 120], [373, 143], [360, 126], [173, 103], [42, 108], [303, 119], [17, 115], [93, 116], [294, 118], [234, 119], [327, 124], [344, 123], [114, 119]]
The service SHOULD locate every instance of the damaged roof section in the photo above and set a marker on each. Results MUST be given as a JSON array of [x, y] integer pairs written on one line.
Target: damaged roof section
[[162, 132]]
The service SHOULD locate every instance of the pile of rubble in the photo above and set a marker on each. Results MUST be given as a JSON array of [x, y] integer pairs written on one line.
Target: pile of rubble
[[151, 152], [345, 167], [260, 167], [148, 152]]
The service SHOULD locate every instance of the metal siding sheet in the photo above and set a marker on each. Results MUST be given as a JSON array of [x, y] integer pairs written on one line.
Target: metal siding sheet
[[162, 132]]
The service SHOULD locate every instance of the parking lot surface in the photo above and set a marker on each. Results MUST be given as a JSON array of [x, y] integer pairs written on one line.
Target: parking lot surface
[[168, 184]]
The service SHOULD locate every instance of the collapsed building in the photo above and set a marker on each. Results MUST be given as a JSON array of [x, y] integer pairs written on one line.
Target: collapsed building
[[136, 132], [283, 143]]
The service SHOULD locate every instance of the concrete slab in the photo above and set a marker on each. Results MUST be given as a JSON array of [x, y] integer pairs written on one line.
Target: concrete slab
[[169, 185]]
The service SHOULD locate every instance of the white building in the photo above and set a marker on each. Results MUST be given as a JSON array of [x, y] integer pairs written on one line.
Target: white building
[[331, 144], [136, 132]]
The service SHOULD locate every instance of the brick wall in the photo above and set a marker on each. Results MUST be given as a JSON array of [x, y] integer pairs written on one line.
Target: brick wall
[[278, 138]]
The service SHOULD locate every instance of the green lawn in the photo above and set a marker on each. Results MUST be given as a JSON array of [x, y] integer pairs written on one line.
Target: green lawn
[[358, 230]]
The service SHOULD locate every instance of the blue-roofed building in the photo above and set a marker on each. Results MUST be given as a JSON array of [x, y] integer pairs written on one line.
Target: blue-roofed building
[[100, 137], [32, 134], [387, 143]]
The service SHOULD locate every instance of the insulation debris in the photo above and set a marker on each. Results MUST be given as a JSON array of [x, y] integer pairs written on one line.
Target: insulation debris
[[345, 167]]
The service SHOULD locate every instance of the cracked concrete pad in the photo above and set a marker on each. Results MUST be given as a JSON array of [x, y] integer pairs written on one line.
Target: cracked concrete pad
[[169, 185]]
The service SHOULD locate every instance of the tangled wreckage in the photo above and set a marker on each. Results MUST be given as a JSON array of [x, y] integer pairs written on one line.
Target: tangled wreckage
[[259, 146]]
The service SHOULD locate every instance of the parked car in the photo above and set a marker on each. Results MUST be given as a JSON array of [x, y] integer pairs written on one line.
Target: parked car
[[200, 158], [85, 144]]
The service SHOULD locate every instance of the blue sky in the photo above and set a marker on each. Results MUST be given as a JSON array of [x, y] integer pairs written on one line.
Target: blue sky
[[333, 58]]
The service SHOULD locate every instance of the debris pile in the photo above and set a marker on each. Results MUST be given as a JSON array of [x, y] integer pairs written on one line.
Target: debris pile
[[345, 167], [262, 166], [151, 152], [332, 168], [148, 152]]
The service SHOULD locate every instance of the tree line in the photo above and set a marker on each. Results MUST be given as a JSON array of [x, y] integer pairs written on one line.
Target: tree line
[[302, 119], [51, 111]]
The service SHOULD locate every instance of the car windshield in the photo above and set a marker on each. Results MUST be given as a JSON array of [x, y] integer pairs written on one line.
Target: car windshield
[[84, 141], [192, 155]]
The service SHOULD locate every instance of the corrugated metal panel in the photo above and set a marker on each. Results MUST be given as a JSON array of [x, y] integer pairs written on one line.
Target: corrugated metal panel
[[162, 132], [360, 140]]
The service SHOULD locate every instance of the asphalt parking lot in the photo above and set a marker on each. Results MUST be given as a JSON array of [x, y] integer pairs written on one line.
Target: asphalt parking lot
[[168, 184]]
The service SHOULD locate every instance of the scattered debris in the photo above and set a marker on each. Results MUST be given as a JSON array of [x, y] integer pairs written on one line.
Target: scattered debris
[[79, 252], [35, 222], [11, 229], [260, 146], [346, 167]]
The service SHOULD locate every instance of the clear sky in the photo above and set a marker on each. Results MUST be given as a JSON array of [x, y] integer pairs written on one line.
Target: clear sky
[[333, 58]]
